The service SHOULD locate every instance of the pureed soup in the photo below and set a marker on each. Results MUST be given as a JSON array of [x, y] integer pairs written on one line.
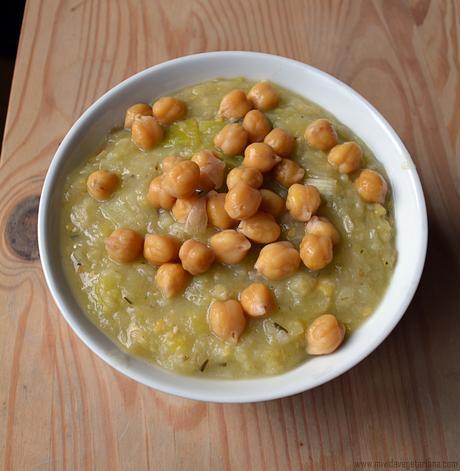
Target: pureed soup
[[235, 233]]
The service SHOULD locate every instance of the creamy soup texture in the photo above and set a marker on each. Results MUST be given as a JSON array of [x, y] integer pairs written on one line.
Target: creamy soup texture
[[122, 299]]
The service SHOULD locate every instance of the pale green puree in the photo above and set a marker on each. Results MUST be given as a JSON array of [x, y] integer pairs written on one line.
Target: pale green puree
[[122, 299]]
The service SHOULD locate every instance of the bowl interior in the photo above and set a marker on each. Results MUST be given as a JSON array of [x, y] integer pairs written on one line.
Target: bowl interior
[[410, 216]]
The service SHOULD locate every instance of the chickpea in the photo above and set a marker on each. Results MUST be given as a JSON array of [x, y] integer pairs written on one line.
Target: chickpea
[[211, 169], [157, 196], [281, 142], [256, 125], [124, 245], [169, 162], [234, 105], [261, 157], [172, 279], [183, 179], [271, 202], [227, 320], [251, 176], [323, 227], [101, 184], [139, 109], [183, 206], [159, 249], [288, 172], [232, 139], [261, 228], [196, 257], [168, 109], [217, 215], [263, 96], [316, 251], [257, 300], [371, 186], [278, 260], [242, 201], [146, 132], [321, 135], [302, 201], [230, 246], [324, 335], [346, 157]]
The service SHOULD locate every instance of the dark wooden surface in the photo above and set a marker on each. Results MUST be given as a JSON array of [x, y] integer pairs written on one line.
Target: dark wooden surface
[[63, 408]]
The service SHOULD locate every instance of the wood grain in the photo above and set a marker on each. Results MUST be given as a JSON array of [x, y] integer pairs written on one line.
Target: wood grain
[[63, 408]]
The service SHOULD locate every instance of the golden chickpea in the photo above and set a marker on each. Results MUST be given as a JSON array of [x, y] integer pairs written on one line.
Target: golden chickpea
[[226, 319], [281, 142], [168, 109], [257, 300], [230, 246], [288, 172], [302, 201], [263, 96], [371, 186], [101, 184], [231, 139], [217, 215], [211, 169], [316, 251], [272, 203], [169, 162], [261, 228], [157, 196], [324, 335], [234, 105], [171, 279], [146, 132], [278, 260], [321, 134], [183, 179], [242, 201], [251, 176], [346, 157], [196, 257], [183, 206], [159, 249], [323, 227], [256, 125], [139, 109], [261, 157], [124, 245]]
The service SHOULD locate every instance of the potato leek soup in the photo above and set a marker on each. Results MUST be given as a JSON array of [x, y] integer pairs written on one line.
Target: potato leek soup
[[233, 229]]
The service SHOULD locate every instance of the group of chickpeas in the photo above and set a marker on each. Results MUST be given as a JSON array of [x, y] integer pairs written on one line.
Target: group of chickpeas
[[186, 183]]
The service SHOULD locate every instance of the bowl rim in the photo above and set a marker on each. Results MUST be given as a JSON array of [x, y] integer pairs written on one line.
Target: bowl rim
[[231, 396]]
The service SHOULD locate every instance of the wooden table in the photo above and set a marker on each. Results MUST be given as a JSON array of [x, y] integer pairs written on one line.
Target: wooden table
[[63, 408]]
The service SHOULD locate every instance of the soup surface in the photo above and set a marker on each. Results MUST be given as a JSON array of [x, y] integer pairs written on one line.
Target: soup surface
[[122, 300]]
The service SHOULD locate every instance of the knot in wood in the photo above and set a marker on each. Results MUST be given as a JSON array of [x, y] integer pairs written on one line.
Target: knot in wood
[[21, 228]]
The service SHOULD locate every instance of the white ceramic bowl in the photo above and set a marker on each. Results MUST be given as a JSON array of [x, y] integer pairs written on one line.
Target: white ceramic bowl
[[350, 108]]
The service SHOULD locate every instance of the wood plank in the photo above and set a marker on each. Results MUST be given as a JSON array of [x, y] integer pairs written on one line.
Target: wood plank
[[63, 408]]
